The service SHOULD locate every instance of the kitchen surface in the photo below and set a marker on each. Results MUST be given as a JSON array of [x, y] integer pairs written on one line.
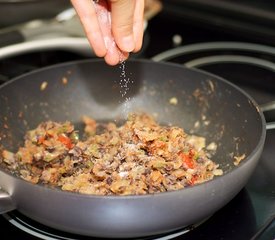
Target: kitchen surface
[[231, 39]]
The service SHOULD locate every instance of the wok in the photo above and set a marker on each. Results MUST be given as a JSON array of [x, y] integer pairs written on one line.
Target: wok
[[207, 106]]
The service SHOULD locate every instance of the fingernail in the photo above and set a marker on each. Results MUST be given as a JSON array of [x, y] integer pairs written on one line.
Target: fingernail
[[128, 43]]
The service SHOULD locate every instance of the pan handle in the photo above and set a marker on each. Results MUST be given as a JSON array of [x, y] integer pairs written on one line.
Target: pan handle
[[6, 203], [266, 109]]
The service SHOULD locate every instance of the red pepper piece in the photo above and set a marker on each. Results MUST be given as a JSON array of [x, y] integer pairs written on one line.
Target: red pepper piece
[[187, 160], [65, 140], [41, 139], [193, 179]]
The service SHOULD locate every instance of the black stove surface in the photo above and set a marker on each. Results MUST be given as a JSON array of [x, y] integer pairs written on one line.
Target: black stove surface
[[251, 213]]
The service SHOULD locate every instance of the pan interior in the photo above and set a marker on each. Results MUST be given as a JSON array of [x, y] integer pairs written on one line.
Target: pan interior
[[202, 104]]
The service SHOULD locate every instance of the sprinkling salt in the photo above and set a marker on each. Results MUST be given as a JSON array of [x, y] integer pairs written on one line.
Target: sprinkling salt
[[124, 83]]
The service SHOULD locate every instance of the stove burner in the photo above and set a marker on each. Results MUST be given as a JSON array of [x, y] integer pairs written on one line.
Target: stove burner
[[41, 231], [171, 54], [245, 64], [249, 214], [251, 67]]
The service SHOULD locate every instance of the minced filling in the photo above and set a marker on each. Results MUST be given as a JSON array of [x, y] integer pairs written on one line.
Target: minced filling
[[138, 157]]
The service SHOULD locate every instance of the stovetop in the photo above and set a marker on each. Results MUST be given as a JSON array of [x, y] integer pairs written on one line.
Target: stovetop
[[247, 63]]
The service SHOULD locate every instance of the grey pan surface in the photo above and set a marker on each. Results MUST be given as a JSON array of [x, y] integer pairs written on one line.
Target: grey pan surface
[[207, 106]]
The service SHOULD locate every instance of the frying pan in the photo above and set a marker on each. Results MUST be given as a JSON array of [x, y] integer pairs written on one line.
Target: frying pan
[[207, 106]]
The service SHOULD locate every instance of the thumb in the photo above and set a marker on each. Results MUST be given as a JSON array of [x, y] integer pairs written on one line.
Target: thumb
[[122, 15]]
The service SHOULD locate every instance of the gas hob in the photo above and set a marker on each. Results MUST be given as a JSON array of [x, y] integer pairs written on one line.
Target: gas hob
[[248, 64]]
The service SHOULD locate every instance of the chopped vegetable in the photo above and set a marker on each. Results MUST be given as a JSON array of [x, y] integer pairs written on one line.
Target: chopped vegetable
[[138, 157], [65, 140], [43, 86], [187, 160], [173, 101]]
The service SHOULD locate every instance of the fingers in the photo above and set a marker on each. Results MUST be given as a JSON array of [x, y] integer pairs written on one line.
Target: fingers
[[89, 20], [127, 24], [122, 14], [138, 28], [115, 58], [114, 28], [113, 55]]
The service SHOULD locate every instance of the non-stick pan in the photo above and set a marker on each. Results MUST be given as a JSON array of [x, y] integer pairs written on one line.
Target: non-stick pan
[[206, 105]]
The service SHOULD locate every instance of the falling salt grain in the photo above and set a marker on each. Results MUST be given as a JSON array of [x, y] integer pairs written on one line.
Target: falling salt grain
[[124, 83]]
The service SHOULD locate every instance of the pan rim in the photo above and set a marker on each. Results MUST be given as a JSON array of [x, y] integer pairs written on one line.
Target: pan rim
[[255, 105]]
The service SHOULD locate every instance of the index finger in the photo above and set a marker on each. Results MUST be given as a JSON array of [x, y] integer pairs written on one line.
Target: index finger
[[88, 17], [122, 23]]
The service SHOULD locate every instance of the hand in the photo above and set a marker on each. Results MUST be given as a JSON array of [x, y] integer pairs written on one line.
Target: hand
[[114, 28]]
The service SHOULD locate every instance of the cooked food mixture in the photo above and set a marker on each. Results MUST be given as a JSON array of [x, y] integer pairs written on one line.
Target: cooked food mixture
[[138, 157]]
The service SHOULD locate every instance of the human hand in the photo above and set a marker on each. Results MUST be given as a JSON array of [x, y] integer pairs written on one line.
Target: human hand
[[114, 28]]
